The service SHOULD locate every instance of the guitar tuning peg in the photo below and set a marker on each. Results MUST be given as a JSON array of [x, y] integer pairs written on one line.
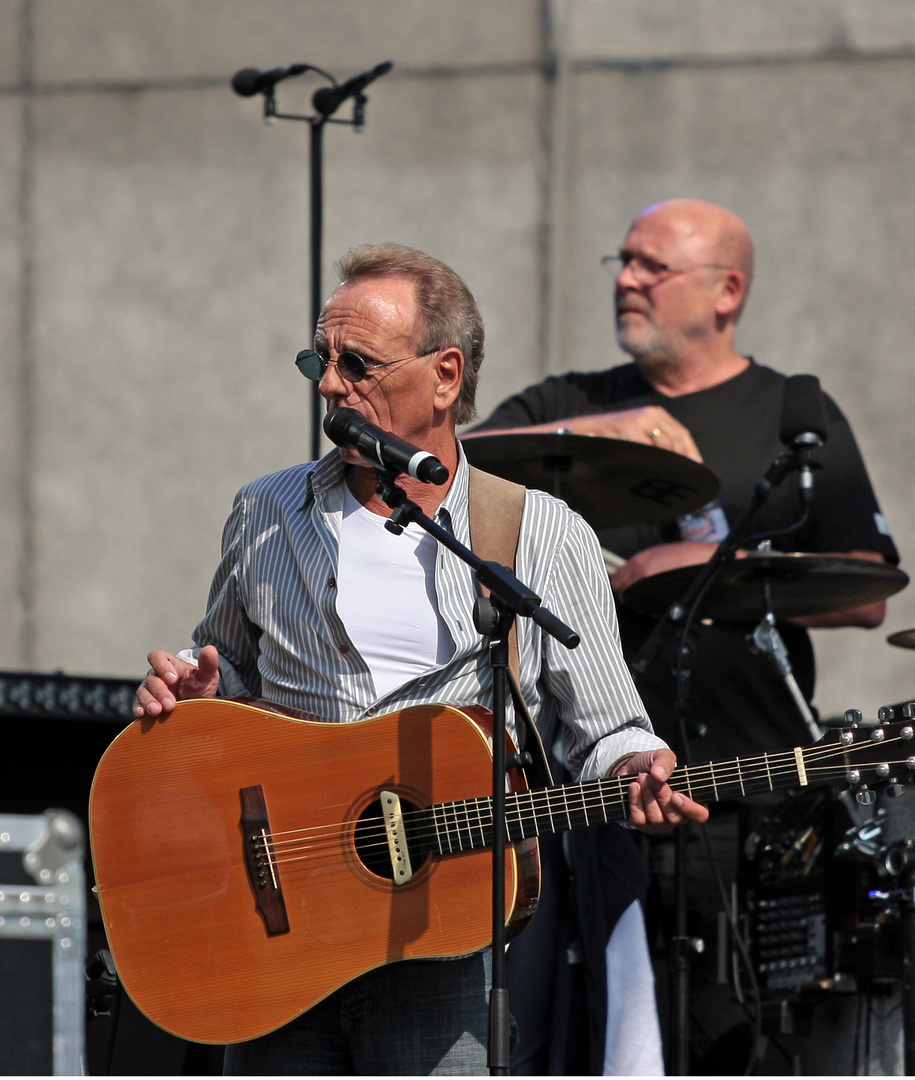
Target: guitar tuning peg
[[865, 797], [885, 712], [853, 717], [908, 710], [894, 789]]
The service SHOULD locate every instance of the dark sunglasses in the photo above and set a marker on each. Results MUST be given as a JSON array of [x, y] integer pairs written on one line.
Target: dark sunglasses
[[351, 365]]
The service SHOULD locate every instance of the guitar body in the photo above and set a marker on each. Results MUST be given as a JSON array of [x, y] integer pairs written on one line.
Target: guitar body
[[181, 906]]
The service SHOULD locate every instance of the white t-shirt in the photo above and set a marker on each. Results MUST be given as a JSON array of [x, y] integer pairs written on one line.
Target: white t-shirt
[[386, 597]]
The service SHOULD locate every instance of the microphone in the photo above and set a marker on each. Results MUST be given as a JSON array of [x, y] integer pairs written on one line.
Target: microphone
[[804, 427], [348, 428], [250, 81], [329, 98]]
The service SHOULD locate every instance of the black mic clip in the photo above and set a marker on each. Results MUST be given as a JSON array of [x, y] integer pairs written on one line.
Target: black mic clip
[[807, 450], [806, 454], [395, 497]]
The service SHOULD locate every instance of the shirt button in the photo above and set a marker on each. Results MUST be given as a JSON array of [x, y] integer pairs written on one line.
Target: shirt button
[[371, 712], [331, 582], [344, 649]]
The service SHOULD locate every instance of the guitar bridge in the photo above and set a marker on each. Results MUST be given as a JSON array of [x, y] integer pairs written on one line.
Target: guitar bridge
[[397, 838], [260, 860]]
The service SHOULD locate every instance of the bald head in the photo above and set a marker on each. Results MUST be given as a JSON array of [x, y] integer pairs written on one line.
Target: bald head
[[705, 233]]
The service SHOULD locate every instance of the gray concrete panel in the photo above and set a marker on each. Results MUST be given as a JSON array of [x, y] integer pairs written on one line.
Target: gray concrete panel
[[454, 167], [124, 41], [704, 31], [11, 52], [14, 407], [172, 294], [169, 291], [798, 152]]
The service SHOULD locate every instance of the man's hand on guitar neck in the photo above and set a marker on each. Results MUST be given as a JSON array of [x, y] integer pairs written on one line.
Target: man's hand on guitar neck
[[654, 807], [171, 679]]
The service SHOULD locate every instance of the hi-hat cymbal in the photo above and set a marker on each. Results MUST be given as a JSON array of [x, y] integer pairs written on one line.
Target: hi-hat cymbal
[[905, 639], [785, 584], [608, 481]]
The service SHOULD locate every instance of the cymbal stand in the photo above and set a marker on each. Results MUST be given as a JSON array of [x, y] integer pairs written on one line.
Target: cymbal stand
[[908, 972], [557, 466], [679, 616], [768, 641]]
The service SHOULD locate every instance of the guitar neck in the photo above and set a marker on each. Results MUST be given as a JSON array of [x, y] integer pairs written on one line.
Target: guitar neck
[[467, 824]]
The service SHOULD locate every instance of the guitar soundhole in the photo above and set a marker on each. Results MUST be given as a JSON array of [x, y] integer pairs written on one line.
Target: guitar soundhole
[[371, 843]]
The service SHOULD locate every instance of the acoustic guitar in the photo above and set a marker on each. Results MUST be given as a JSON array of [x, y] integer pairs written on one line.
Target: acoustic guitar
[[248, 862]]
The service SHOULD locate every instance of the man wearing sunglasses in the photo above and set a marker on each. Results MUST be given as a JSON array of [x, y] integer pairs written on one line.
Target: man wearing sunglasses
[[318, 607], [681, 279]]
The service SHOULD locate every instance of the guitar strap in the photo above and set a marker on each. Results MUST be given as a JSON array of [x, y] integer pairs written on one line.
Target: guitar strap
[[496, 507]]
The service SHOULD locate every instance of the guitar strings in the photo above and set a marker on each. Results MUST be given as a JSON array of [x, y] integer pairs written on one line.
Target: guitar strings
[[467, 824], [480, 819]]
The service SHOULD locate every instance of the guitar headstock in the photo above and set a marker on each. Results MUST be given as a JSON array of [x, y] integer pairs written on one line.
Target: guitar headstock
[[858, 754]]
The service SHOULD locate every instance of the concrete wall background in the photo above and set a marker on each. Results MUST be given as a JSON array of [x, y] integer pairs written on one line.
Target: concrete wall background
[[154, 245]]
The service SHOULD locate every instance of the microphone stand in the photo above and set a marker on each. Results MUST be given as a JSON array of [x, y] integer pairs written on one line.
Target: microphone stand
[[680, 614], [322, 116], [493, 618]]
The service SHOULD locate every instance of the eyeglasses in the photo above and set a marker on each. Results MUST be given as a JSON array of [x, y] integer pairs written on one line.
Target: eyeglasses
[[351, 365], [648, 271]]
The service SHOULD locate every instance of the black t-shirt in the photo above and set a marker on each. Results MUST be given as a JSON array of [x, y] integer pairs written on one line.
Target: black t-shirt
[[738, 697]]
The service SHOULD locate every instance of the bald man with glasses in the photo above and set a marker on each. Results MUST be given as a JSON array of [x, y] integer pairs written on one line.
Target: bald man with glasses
[[682, 277]]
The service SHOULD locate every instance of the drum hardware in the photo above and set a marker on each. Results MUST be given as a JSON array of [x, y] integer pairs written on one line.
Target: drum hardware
[[785, 584], [610, 482], [765, 586], [767, 641], [825, 893]]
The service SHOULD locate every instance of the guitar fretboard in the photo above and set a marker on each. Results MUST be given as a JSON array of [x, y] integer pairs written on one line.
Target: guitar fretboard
[[468, 823]]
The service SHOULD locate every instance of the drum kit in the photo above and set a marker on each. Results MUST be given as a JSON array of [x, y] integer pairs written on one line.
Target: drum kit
[[855, 894], [613, 482]]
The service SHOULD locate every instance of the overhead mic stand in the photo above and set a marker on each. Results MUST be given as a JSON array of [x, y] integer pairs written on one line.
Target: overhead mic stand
[[493, 618], [680, 614], [326, 101], [769, 642]]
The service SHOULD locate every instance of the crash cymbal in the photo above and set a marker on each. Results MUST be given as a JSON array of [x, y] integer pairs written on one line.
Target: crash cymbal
[[785, 584], [608, 481], [905, 639]]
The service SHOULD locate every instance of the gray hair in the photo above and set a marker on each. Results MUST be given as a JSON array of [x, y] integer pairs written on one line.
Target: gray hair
[[450, 316]]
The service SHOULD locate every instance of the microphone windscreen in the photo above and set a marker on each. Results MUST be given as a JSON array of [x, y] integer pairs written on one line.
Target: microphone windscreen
[[336, 424], [803, 409], [246, 82]]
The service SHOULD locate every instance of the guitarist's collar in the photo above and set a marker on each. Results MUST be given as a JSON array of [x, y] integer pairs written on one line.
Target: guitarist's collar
[[323, 476]]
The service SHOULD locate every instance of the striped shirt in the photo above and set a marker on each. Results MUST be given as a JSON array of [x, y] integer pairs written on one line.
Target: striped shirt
[[272, 615]]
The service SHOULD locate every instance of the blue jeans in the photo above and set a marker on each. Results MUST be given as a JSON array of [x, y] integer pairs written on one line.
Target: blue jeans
[[411, 1018]]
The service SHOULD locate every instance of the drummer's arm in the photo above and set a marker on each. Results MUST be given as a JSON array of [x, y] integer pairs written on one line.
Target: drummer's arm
[[650, 425], [866, 615], [661, 557]]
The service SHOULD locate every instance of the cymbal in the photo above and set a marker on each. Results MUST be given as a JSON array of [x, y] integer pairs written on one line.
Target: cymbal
[[905, 639], [608, 481], [785, 584]]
